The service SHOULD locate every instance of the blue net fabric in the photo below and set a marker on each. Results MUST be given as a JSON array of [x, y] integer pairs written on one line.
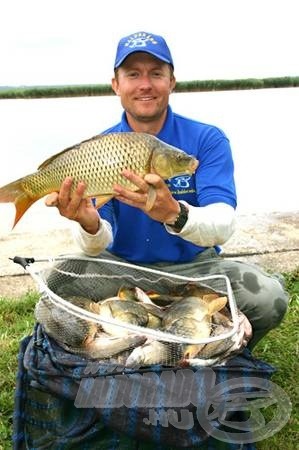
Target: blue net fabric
[[50, 381]]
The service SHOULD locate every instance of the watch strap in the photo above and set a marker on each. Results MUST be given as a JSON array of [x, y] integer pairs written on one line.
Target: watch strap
[[181, 219]]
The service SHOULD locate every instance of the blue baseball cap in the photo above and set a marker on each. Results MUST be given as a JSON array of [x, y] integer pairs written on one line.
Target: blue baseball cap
[[142, 42]]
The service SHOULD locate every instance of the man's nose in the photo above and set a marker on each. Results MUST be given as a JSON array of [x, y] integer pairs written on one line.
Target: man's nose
[[145, 82]]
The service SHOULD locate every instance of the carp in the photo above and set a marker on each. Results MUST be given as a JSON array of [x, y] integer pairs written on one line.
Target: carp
[[81, 336], [191, 318], [99, 163]]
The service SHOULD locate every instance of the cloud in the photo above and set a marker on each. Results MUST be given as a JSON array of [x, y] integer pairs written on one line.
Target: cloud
[[74, 41]]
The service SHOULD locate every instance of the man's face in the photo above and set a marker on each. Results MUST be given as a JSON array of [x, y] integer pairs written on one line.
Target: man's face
[[144, 83]]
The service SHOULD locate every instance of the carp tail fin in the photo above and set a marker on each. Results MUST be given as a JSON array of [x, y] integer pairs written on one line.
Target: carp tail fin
[[15, 193]]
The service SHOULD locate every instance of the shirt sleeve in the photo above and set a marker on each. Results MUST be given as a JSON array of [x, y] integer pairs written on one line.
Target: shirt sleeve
[[209, 225], [93, 244], [215, 175]]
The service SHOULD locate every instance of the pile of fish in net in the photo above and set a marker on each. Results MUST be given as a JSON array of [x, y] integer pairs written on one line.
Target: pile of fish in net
[[169, 320]]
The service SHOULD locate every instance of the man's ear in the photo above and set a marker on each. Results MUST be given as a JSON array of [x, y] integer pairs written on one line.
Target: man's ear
[[114, 85], [172, 84]]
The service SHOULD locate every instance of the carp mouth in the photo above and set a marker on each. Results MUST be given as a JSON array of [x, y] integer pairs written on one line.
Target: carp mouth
[[193, 165]]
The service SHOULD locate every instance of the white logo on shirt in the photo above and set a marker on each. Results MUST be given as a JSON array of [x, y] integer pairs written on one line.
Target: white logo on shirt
[[181, 182]]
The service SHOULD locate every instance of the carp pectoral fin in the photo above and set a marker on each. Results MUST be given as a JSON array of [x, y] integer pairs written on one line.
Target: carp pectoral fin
[[151, 198], [100, 200], [216, 305]]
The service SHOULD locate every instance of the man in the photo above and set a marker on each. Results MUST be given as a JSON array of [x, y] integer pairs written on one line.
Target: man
[[191, 216]]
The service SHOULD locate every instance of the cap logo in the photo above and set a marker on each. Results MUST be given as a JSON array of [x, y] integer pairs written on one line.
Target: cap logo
[[140, 40], [143, 42]]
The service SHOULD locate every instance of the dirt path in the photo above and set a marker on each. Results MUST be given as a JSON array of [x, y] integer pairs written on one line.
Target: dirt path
[[269, 240]]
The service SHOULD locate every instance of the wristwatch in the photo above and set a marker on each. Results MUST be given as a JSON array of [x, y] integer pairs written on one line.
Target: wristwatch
[[181, 219]]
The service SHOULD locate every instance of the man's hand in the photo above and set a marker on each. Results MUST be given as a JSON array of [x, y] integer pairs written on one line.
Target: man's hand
[[165, 208], [74, 206]]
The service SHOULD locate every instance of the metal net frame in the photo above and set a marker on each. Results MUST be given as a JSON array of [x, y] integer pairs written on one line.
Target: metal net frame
[[97, 279]]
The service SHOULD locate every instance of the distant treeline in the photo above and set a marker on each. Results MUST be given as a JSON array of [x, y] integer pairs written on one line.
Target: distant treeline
[[182, 86]]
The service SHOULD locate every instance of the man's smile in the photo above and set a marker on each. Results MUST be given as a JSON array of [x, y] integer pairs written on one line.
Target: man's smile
[[145, 99]]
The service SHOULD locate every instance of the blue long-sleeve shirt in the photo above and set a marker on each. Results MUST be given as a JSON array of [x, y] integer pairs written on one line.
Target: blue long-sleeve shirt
[[138, 238]]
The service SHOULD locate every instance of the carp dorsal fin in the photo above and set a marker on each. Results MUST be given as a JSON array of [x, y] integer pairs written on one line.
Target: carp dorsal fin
[[74, 147], [216, 305], [209, 297], [48, 161]]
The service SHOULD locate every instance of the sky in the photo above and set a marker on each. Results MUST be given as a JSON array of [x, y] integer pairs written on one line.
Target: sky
[[54, 42]]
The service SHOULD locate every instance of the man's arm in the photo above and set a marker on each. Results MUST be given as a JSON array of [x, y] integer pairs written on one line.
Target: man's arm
[[208, 225], [91, 233], [93, 244]]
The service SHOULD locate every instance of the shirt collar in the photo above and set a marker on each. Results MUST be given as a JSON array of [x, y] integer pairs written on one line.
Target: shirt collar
[[164, 133]]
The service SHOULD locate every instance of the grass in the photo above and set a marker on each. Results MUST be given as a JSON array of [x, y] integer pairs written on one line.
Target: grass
[[16, 322], [279, 348]]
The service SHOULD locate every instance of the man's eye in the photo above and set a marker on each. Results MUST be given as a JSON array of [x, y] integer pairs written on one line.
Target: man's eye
[[132, 74]]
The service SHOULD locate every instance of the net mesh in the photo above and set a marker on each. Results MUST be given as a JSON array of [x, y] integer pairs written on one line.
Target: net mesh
[[134, 316]]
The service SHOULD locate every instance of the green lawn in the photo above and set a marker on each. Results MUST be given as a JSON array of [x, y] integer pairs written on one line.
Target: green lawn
[[279, 348]]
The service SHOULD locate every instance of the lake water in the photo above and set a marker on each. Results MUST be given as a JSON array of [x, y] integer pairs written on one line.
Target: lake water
[[262, 126]]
